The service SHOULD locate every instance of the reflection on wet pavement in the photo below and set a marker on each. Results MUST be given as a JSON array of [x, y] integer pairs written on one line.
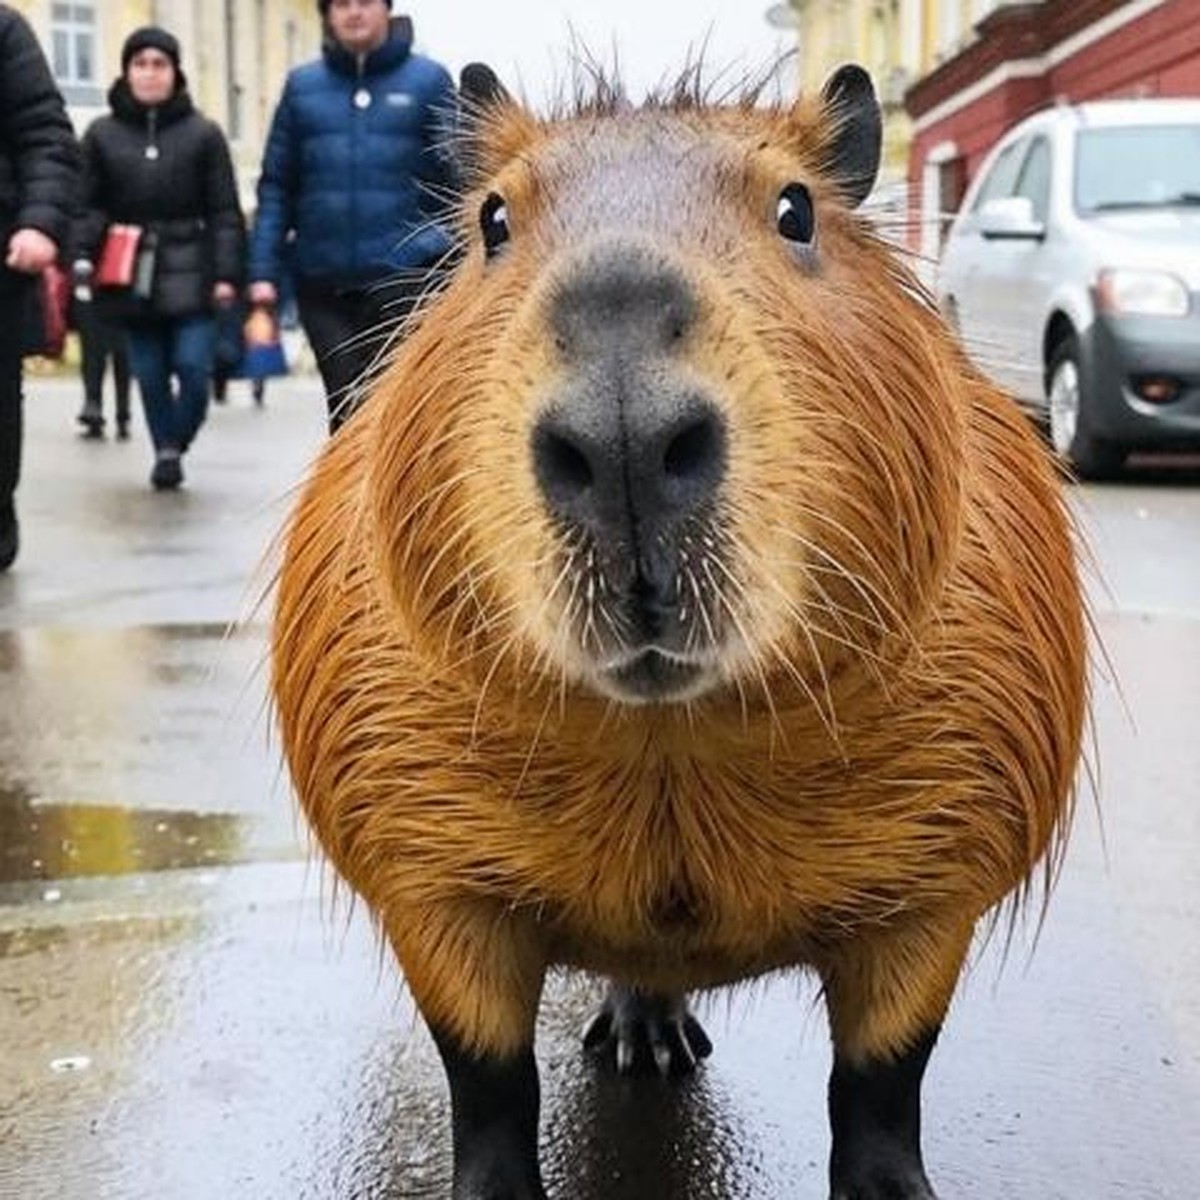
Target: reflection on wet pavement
[[135, 750], [60, 841]]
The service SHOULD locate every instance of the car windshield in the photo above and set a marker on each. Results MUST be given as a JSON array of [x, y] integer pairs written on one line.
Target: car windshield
[[1142, 166]]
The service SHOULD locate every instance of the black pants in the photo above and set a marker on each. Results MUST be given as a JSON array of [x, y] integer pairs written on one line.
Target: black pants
[[349, 330], [14, 297], [100, 340]]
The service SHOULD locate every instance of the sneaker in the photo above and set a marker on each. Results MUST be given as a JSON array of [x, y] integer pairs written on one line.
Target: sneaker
[[8, 535], [168, 471], [122, 430]]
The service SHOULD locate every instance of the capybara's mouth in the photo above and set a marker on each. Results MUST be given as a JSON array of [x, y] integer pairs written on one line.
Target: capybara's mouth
[[657, 676]]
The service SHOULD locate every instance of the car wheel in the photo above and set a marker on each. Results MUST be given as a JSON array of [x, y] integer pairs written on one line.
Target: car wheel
[[1091, 456]]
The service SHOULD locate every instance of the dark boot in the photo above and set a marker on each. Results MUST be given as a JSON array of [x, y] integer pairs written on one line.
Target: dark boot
[[167, 474], [91, 417]]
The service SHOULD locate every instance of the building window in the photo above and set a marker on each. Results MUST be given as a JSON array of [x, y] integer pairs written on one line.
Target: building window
[[73, 38]]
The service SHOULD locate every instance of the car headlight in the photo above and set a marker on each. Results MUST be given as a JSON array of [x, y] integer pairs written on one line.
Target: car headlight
[[1124, 292]]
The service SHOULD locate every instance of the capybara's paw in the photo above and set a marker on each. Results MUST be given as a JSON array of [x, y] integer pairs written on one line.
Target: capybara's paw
[[498, 1179], [643, 1031], [881, 1180]]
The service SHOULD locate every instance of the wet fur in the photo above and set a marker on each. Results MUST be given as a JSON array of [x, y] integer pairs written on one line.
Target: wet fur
[[892, 751]]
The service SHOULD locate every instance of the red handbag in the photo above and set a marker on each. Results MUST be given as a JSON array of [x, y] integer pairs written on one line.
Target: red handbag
[[45, 330], [117, 267]]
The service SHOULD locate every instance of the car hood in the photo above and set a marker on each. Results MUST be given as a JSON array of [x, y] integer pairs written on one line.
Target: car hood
[[1160, 239]]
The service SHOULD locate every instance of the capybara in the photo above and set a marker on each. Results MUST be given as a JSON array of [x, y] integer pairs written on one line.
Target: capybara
[[681, 606]]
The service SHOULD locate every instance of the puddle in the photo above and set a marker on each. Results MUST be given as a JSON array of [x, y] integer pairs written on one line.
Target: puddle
[[136, 750], [41, 841]]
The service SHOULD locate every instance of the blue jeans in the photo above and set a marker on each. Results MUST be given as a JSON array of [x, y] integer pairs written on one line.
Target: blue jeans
[[173, 346]]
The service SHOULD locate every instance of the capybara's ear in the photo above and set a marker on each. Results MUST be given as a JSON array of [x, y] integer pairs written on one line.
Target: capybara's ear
[[851, 110], [480, 88], [493, 127]]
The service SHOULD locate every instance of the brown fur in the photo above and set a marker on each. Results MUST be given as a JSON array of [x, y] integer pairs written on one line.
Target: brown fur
[[892, 751]]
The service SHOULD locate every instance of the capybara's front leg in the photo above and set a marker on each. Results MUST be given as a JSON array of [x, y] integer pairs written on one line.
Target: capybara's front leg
[[494, 1102], [476, 972], [875, 1116], [886, 996]]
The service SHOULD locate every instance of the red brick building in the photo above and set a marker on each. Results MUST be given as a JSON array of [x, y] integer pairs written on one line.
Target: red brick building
[[1024, 57]]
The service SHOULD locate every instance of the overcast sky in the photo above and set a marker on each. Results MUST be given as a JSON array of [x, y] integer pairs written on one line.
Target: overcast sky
[[528, 41]]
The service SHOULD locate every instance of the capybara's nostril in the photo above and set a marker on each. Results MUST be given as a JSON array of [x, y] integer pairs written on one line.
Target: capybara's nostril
[[682, 465], [696, 451], [561, 461]]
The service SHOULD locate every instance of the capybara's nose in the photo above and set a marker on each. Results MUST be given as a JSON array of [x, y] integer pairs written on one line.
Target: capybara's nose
[[655, 467], [630, 438]]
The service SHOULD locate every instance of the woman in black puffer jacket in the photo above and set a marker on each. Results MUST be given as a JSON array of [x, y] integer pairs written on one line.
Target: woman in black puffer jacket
[[156, 162], [38, 177]]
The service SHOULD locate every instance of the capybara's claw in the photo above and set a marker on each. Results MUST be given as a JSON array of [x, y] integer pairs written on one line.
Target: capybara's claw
[[645, 1031]]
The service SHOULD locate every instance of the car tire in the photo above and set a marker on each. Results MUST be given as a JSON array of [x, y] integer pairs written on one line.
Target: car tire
[[1067, 417]]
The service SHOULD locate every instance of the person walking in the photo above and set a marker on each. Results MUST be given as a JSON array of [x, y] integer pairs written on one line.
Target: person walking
[[101, 340], [356, 168], [156, 163], [38, 177]]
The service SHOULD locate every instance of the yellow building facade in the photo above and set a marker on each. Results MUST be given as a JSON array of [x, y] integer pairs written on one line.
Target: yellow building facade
[[898, 41], [236, 54]]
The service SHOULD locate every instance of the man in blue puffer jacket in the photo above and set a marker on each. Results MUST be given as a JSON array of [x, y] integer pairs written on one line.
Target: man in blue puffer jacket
[[357, 171]]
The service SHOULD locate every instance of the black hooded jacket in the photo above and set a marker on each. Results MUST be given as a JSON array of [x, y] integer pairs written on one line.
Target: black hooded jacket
[[166, 168], [38, 153]]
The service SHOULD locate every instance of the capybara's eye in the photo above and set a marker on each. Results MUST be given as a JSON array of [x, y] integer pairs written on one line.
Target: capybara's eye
[[493, 219], [795, 214]]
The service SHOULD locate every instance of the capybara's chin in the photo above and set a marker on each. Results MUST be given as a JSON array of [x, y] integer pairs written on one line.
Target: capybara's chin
[[653, 675], [681, 606]]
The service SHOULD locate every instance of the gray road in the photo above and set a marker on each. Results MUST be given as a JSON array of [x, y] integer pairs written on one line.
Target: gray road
[[186, 1011]]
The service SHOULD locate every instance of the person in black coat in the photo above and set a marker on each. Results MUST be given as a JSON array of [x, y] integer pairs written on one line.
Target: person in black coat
[[101, 341], [38, 176], [157, 163]]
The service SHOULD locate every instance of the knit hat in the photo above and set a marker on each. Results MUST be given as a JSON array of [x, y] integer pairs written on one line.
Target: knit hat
[[323, 6], [150, 37]]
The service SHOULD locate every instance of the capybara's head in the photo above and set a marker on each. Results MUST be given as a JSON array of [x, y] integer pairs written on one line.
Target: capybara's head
[[682, 425]]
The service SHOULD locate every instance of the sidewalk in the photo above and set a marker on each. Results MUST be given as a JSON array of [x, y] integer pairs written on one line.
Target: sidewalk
[[99, 547], [186, 1012]]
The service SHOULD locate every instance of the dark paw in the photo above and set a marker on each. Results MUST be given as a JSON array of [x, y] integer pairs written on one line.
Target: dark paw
[[884, 1183], [498, 1188], [643, 1032], [496, 1171]]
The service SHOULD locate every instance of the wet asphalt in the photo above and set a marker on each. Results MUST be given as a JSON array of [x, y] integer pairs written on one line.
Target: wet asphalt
[[188, 1010]]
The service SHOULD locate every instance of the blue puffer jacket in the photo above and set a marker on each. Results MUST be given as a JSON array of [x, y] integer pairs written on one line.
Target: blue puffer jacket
[[355, 163]]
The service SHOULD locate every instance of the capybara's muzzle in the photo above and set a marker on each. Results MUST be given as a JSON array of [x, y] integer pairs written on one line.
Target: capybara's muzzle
[[630, 451]]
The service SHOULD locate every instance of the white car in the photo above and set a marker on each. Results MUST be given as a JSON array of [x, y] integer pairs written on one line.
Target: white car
[[1072, 272]]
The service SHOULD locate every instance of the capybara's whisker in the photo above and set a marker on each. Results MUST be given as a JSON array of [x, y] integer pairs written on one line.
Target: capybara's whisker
[[748, 643], [883, 609], [826, 711]]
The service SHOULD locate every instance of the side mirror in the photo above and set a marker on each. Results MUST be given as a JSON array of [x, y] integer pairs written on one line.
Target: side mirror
[[1010, 218]]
